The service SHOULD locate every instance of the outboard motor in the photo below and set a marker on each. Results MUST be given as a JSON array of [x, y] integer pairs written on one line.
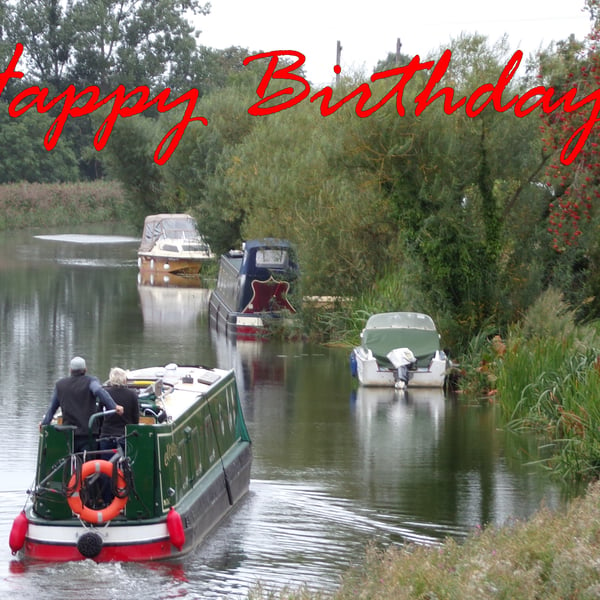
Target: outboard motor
[[403, 360]]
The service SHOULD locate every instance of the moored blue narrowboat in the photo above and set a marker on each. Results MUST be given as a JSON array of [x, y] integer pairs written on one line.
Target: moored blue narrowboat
[[256, 287]]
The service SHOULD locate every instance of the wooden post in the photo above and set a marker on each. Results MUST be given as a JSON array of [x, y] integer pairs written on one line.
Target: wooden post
[[338, 58]]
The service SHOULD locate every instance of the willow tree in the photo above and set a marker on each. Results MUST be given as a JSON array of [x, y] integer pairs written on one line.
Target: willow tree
[[460, 187], [291, 177]]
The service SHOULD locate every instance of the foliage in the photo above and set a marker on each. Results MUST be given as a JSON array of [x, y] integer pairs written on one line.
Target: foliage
[[86, 42], [100, 44], [573, 219], [129, 160], [573, 65], [23, 156]]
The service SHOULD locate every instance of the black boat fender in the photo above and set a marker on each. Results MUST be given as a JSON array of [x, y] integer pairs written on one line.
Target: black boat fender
[[89, 544]]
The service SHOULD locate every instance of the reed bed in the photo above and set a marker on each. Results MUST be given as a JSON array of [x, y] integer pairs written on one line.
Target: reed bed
[[545, 378], [35, 204]]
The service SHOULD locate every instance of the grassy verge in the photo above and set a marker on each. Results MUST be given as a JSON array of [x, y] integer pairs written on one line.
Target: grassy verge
[[33, 205], [552, 555]]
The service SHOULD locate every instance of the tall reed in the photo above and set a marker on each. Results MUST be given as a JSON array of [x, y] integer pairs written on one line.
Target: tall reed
[[548, 382], [35, 204]]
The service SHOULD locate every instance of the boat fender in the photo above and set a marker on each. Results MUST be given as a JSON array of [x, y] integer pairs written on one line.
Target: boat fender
[[175, 528], [86, 513], [89, 544], [18, 532], [353, 366]]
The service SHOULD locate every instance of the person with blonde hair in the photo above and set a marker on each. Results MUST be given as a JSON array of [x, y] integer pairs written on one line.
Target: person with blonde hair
[[112, 434]]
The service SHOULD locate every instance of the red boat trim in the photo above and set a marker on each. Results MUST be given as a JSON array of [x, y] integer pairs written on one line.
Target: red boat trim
[[268, 296], [50, 552]]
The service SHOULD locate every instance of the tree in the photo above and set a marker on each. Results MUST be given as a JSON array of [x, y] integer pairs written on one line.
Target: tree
[[573, 66], [575, 186], [47, 34], [132, 43], [106, 42], [23, 157]]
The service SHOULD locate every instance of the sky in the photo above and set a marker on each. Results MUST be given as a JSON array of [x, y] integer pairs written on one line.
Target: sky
[[368, 30]]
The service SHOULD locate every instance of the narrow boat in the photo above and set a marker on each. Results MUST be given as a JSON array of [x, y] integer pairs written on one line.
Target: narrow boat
[[183, 468], [399, 349], [171, 245], [254, 288]]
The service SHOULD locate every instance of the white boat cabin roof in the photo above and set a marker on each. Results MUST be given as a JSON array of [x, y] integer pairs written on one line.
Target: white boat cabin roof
[[177, 387]]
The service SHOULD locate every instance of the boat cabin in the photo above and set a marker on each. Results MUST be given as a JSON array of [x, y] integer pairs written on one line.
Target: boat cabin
[[255, 287]]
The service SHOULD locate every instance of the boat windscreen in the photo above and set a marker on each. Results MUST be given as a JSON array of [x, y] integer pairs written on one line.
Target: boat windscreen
[[273, 258], [422, 343], [167, 228]]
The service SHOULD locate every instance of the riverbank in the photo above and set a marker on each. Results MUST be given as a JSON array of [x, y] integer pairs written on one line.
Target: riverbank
[[34, 204], [552, 555]]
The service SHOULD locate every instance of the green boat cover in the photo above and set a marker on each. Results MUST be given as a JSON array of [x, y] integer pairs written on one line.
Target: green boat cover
[[386, 331]]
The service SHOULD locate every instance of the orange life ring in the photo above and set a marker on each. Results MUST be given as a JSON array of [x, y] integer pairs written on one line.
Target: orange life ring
[[86, 513]]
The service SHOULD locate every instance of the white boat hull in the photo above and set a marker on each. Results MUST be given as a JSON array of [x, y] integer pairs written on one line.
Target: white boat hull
[[370, 373]]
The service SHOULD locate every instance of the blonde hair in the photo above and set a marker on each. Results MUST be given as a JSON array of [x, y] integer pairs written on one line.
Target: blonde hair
[[117, 376]]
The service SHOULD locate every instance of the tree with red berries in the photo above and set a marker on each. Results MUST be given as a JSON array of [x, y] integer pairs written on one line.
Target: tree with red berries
[[575, 187]]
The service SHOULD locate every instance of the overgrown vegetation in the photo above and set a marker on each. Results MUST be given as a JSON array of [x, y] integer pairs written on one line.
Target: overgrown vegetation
[[545, 376]]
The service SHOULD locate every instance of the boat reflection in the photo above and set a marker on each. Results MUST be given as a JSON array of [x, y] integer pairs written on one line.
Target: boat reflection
[[398, 406], [168, 280], [252, 360], [172, 306], [399, 436]]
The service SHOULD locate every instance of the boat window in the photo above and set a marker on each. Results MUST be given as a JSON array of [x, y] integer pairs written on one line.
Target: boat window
[[271, 257], [180, 228]]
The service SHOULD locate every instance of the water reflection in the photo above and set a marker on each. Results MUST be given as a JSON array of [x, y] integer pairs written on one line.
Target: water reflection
[[440, 464]]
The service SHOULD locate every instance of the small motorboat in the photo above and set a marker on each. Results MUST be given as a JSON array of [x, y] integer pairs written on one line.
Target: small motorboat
[[400, 349], [183, 468], [171, 246]]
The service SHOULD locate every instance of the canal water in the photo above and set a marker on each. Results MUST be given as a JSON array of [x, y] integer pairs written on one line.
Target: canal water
[[335, 467]]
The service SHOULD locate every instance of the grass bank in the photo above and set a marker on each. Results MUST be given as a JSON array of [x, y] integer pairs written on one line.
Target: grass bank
[[33, 204], [551, 556]]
